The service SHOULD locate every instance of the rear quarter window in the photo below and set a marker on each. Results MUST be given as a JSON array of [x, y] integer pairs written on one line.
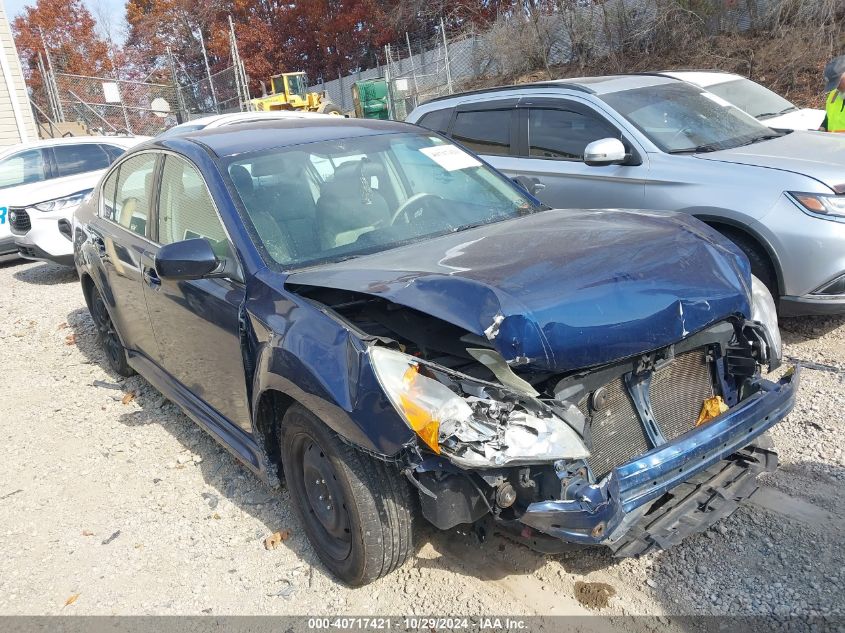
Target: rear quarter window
[[114, 152], [437, 120]]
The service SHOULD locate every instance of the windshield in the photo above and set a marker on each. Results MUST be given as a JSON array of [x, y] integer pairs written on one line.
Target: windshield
[[679, 117], [756, 100], [297, 84], [334, 200]]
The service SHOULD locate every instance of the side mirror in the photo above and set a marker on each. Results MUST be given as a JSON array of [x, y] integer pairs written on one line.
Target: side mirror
[[530, 184], [188, 259], [605, 151]]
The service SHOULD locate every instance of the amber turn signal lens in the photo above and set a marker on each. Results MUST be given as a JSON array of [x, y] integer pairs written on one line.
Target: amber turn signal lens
[[420, 418], [812, 203]]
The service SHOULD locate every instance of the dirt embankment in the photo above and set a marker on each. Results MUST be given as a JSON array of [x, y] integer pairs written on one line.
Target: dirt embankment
[[791, 63]]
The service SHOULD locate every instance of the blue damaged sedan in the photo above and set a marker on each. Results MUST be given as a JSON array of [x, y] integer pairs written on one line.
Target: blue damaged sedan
[[375, 315]]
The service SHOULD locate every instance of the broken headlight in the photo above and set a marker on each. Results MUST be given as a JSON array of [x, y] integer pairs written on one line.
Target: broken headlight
[[473, 423], [763, 311]]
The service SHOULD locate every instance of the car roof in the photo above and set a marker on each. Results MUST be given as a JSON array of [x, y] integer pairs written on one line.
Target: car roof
[[702, 78], [71, 140], [613, 83], [592, 85], [283, 132], [214, 120]]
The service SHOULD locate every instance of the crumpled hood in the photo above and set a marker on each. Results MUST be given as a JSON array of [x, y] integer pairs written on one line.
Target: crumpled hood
[[819, 155], [563, 289]]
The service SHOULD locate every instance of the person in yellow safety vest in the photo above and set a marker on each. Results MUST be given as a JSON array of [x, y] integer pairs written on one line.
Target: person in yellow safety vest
[[834, 74]]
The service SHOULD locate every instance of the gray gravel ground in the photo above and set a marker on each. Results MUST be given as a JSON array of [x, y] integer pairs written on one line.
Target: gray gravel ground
[[112, 505]]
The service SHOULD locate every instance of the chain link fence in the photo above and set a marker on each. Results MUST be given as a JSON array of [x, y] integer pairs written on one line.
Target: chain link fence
[[442, 66], [216, 94], [66, 103], [117, 106], [105, 105]]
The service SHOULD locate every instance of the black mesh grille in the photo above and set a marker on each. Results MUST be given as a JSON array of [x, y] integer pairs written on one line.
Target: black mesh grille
[[19, 221], [618, 435], [678, 392]]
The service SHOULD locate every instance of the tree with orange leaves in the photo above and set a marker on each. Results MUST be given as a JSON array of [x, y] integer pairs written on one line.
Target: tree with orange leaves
[[69, 32], [156, 25]]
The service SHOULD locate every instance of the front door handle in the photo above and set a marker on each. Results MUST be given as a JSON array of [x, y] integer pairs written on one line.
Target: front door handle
[[100, 244], [151, 277], [148, 270]]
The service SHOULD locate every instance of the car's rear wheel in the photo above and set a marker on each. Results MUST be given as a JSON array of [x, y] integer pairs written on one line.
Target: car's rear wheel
[[109, 340], [356, 510]]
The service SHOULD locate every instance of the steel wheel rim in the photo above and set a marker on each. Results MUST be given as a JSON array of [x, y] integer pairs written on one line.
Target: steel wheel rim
[[324, 501]]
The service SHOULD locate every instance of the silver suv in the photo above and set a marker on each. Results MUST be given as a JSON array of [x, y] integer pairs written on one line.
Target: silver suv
[[654, 142]]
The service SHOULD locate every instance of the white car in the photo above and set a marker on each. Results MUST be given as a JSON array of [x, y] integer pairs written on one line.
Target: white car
[[766, 106], [233, 118], [42, 183]]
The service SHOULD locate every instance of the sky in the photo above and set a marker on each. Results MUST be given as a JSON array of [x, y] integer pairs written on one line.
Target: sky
[[114, 9]]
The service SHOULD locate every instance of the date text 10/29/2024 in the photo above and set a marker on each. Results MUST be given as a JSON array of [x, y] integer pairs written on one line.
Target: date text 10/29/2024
[[421, 623]]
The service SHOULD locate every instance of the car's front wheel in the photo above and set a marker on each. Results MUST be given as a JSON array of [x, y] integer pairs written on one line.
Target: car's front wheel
[[761, 266], [106, 333], [356, 510]]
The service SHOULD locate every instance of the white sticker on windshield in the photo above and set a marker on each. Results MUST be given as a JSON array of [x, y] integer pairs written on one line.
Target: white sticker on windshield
[[717, 99], [450, 157]]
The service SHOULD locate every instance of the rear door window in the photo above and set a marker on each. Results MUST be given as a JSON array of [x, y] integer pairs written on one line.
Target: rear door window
[[484, 131], [23, 168], [80, 159], [563, 134], [438, 120]]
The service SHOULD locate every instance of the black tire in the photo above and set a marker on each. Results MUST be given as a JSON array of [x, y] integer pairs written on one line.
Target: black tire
[[695, 505], [108, 337], [364, 530], [761, 265]]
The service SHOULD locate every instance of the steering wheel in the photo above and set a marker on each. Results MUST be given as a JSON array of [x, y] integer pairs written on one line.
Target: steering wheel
[[417, 202], [686, 128]]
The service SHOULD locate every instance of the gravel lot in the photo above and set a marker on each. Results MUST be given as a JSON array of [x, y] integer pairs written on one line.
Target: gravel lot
[[113, 502]]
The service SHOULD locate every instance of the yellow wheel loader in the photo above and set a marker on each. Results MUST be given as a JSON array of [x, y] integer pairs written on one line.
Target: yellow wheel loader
[[288, 92]]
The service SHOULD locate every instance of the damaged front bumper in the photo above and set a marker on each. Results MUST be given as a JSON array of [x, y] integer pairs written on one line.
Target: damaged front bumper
[[601, 513]]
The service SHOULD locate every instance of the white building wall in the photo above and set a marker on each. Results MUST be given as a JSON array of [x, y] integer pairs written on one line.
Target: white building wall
[[16, 121]]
